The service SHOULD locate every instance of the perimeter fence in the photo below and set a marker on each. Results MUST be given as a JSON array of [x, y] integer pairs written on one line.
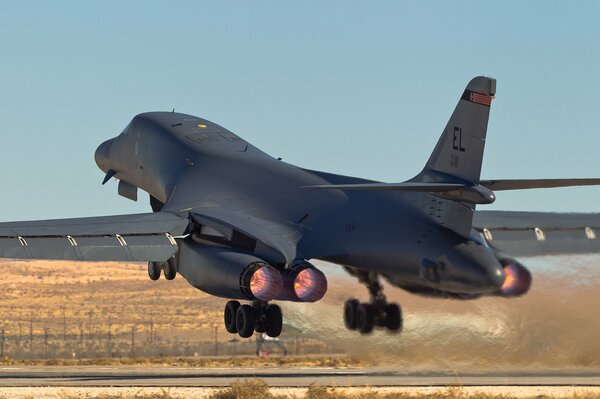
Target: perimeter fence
[[35, 336]]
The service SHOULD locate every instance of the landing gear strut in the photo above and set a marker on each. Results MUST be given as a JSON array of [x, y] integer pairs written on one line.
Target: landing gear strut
[[260, 316], [364, 317]]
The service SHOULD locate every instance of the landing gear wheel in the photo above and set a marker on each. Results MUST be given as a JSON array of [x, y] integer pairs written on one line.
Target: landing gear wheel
[[154, 270], [230, 316], [393, 317], [260, 327], [170, 270], [245, 321], [365, 318], [273, 320], [350, 313]]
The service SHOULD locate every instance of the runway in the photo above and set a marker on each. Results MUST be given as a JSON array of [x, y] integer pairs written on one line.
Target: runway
[[93, 376]]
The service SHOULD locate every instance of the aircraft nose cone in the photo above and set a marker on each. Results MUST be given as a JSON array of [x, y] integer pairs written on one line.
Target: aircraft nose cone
[[102, 154]]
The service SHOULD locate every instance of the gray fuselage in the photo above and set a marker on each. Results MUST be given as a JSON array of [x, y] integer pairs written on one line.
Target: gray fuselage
[[192, 165]]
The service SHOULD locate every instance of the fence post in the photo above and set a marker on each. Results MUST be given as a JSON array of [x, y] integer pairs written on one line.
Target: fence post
[[216, 341], [109, 337], [30, 331], [46, 342], [133, 341], [64, 312], [20, 326]]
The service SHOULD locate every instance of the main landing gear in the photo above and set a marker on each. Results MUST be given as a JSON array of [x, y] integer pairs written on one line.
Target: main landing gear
[[364, 317], [260, 316], [168, 268]]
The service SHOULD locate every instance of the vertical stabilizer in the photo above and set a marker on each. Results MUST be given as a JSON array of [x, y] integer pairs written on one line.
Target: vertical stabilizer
[[458, 155], [459, 152]]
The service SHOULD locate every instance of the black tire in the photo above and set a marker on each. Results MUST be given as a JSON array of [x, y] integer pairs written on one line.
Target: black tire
[[365, 320], [230, 315], [245, 321], [350, 313], [393, 317], [273, 320], [170, 270], [259, 327], [153, 271]]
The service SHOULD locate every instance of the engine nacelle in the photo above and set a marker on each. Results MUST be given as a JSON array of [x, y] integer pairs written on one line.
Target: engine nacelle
[[228, 273], [302, 282], [517, 280]]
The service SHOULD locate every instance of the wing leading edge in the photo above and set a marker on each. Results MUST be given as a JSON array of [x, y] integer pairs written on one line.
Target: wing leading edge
[[138, 237]]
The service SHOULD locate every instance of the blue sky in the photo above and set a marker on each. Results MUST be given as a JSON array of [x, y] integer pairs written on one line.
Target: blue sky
[[360, 88]]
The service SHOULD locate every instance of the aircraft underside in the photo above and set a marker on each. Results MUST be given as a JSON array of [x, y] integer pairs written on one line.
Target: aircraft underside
[[214, 264]]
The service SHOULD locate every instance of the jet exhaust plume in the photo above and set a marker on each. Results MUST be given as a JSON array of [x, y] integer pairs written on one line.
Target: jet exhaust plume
[[554, 326]]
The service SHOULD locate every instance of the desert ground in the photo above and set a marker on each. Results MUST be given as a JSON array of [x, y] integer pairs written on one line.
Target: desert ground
[[63, 310]]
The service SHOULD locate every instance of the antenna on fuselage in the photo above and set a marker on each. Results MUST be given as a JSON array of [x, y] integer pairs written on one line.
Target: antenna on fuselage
[[173, 111]]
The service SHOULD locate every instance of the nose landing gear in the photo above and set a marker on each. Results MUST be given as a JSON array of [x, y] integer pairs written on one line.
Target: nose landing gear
[[260, 316], [364, 317]]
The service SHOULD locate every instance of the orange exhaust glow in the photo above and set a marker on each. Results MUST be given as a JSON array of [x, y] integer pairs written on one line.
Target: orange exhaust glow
[[510, 278], [517, 280], [266, 283], [310, 285]]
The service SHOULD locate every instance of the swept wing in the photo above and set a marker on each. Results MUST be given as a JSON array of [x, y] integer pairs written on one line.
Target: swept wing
[[540, 233], [137, 237]]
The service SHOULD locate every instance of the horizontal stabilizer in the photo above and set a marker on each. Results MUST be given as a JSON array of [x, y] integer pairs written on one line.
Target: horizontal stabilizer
[[499, 185], [406, 186], [494, 185], [473, 194]]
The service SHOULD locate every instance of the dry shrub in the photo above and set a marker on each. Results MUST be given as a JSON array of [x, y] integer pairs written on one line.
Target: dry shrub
[[247, 389], [320, 392]]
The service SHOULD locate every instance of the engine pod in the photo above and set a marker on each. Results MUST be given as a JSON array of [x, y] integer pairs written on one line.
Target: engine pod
[[227, 272]]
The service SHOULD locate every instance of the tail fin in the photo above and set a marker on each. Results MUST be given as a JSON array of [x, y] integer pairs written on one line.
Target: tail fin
[[459, 152]]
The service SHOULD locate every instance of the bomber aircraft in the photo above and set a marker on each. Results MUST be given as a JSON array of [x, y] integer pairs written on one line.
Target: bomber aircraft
[[240, 224]]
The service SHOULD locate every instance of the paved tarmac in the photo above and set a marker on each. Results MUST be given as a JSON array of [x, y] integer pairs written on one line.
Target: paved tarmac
[[94, 376]]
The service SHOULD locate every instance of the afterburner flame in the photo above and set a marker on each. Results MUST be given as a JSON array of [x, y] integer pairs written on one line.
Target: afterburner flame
[[517, 280], [310, 285], [510, 278], [266, 283]]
